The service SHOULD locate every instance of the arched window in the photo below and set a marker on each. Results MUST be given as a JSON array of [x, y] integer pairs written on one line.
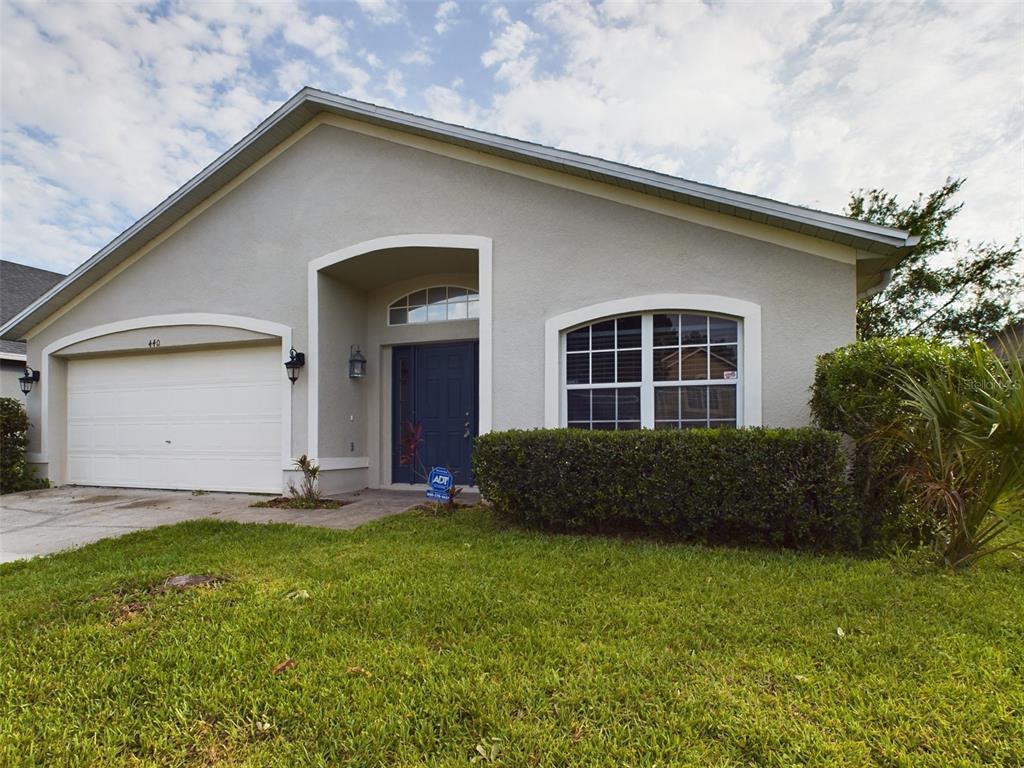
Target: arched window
[[662, 370], [435, 305]]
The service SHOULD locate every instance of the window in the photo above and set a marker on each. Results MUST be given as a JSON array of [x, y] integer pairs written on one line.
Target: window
[[599, 358], [435, 305], [666, 370]]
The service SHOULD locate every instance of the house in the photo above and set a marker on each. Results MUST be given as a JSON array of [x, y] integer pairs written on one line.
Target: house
[[1009, 341], [20, 285], [488, 283]]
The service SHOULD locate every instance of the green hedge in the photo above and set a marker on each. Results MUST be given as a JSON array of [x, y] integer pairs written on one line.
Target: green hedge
[[776, 487], [14, 473], [856, 392]]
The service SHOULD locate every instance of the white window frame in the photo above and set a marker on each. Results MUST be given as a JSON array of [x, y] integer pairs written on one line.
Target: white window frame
[[748, 317]]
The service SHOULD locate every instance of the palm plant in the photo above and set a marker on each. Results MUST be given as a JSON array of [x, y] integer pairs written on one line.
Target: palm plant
[[964, 454], [309, 488]]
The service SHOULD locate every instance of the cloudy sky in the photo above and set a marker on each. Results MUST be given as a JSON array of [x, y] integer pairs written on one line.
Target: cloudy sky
[[108, 108]]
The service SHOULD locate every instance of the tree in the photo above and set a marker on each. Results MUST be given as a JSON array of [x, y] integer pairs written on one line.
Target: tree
[[942, 290]]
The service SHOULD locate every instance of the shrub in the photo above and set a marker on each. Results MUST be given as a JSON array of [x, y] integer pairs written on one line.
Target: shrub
[[964, 454], [15, 474], [777, 487], [857, 391], [308, 490], [856, 388]]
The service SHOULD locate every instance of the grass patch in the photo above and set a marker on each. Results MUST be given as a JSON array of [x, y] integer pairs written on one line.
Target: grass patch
[[424, 640], [296, 502]]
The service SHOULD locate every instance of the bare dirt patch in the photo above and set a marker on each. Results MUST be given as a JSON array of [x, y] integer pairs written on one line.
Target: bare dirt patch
[[127, 611], [187, 581]]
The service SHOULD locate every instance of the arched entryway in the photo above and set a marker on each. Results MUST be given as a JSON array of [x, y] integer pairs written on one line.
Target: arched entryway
[[356, 427]]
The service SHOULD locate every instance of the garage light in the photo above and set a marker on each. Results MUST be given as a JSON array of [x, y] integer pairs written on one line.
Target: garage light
[[31, 377], [295, 361], [356, 363]]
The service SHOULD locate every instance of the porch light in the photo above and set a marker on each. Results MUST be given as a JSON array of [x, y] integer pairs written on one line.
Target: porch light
[[295, 361], [31, 377], [356, 363]]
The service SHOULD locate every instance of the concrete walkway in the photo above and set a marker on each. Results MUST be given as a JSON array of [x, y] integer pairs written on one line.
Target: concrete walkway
[[51, 520]]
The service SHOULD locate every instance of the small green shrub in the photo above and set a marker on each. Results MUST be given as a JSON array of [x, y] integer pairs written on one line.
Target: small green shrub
[[856, 388], [857, 391], [15, 474], [308, 490], [776, 487]]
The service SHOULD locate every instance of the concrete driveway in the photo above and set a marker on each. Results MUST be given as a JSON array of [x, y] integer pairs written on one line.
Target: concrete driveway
[[47, 521]]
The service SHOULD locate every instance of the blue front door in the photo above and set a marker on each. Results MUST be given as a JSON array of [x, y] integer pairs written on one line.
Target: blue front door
[[434, 410]]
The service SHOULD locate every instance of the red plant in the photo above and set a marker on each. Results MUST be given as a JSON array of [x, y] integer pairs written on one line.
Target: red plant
[[412, 438]]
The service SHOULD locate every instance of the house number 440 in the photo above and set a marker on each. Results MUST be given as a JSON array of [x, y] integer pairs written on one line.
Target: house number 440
[[154, 343]]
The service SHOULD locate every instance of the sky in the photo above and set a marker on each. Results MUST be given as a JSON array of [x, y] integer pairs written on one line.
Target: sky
[[106, 108]]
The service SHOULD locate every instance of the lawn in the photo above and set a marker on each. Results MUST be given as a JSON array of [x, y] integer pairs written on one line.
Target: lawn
[[433, 641]]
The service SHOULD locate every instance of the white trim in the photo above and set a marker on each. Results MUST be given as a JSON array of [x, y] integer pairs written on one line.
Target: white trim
[[13, 356], [482, 245], [268, 327], [750, 343], [344, 462]]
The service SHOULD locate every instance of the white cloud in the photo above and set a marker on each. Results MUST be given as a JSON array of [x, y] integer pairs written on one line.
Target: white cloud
[[803, 102], [393, 84], [444, 16], [107, 110], [509, 44], [419, 57], [382, 11]]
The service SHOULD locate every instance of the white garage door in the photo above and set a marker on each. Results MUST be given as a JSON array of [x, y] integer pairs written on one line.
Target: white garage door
[[206, 420]]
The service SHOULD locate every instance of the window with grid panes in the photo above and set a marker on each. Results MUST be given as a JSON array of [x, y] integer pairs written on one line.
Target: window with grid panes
[[662, 370]]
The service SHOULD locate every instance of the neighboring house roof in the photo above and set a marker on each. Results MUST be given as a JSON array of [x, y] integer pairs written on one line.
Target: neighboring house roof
[[20, 285], [883, 247], [1009, 341]]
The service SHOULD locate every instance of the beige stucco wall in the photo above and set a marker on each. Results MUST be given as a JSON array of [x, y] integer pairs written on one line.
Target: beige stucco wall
[[10, 372], [554, 250]]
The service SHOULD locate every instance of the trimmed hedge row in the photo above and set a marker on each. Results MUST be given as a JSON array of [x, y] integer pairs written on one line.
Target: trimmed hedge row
[[776, 487]]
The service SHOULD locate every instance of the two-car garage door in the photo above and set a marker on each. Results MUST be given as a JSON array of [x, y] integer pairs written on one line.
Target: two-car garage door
[[207, 419]]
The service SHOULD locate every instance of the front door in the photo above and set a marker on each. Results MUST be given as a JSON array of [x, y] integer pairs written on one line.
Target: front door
[[434, 408]]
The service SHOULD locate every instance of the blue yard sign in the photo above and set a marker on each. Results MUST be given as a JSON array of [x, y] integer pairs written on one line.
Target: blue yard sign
[[440, 482]]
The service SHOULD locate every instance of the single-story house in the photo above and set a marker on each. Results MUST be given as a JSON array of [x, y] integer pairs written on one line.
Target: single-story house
[[488, 283], [20, 285]]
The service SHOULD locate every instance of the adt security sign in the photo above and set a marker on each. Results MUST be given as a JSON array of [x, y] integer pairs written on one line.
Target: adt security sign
[[440, 482]]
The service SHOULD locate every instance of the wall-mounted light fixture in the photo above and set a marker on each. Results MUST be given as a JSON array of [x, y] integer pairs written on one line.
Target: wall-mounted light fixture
[[356, 363], [31, 377], [294, 362]]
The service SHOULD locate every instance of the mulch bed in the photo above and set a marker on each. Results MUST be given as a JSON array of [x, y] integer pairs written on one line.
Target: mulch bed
[[286, 502]]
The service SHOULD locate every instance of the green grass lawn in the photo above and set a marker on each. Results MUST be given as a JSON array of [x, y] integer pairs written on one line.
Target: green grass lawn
[[422, 639]]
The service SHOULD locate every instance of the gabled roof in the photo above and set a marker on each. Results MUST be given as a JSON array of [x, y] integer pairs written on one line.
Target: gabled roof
[[20, 285], [883, 247]]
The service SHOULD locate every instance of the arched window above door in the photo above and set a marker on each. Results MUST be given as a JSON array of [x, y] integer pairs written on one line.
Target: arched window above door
[[435, 305]]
